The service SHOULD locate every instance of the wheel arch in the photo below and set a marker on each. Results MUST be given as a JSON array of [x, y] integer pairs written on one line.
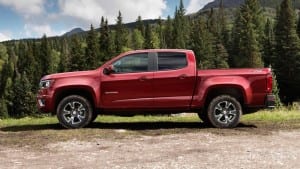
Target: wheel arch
[[79, 90], [231, 90]]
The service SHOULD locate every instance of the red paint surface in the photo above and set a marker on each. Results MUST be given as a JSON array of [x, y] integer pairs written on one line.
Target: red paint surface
[[182, 89]]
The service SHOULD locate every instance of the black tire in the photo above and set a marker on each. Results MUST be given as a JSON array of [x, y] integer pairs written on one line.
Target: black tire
[[224, 112], [74, 112], [95, 115], [203, 116]]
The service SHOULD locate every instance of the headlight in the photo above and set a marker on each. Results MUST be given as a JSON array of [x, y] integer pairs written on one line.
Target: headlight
[[45, 84]]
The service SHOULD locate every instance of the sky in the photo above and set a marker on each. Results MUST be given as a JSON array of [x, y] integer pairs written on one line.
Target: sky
[[33, 18]]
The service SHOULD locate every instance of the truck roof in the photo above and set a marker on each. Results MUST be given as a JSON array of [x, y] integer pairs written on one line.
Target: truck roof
[[159, 50]]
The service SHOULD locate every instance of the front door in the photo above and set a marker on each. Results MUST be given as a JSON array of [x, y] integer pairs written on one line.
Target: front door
[[130, 85]]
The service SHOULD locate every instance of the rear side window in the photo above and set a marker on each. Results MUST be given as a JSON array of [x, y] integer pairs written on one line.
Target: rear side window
[[171, 60]]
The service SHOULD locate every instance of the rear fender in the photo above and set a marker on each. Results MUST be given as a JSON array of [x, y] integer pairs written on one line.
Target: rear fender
[[207, 85]]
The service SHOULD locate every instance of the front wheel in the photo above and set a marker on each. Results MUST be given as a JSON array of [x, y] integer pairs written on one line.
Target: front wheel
[[74, 112], [224, 112], [204, 118]]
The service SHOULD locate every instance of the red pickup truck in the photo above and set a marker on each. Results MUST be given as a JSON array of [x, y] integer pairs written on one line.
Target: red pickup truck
[[155, 81]]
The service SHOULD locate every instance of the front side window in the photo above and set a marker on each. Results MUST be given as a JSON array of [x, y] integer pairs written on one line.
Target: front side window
[[171, 60], [132, 63]]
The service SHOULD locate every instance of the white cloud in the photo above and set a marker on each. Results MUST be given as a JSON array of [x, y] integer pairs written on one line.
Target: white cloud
[[26, 7], [4, 37], [196, 5], [33, 30], [67, 14], [90, 11]]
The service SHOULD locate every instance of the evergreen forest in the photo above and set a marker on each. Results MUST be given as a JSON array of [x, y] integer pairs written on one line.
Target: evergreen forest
[[249, 39]]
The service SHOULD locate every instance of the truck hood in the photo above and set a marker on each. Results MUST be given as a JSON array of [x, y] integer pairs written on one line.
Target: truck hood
[[229, 72], [71, 74]]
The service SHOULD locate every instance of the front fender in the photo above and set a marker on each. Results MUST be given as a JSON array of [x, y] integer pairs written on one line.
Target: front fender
[[79, 84]]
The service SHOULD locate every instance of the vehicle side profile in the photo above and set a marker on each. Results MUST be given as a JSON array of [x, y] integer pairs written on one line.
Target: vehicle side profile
[[155, 81]]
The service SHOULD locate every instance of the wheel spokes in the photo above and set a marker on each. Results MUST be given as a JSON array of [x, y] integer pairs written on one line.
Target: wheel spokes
[[225, 112], [74, 112]]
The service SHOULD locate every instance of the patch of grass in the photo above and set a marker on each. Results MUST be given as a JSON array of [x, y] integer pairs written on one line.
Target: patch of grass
[[281, 115], [28, 121], [36, 132], [148, 119], [101, 119]]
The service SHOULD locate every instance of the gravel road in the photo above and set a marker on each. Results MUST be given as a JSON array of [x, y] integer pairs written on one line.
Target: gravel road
[[226, 149]]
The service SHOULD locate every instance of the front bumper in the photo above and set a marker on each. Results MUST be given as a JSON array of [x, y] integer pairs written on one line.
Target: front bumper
[[270, 101], [45, 101]]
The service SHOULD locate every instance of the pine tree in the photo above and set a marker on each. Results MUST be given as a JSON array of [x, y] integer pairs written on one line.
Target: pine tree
[[148, 44], [269, 45], [77, 61], [29, 63], [137, 39], [160, 32], [168, 36], [45, 56], [105, 41], [92, 50], [38, 73], [219, 53], [9, 95], [4, 73], [298, 25], [8, 72], [155, 40], [201, 44], [140, 25], [212, 23], [247, 34], [275, 90], [180, 30], [3, 109], [287, 65], [21, 53], [224, 31], [65, 56], [3, 55], [23, 100], [120, 38], [55, 60]]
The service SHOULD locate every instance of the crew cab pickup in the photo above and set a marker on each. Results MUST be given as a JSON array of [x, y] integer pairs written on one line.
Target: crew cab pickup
[[155, 81]]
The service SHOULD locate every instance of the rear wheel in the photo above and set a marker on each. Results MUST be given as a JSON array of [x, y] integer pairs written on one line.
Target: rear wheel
[[95, 115], [74, 112], [224, 112]]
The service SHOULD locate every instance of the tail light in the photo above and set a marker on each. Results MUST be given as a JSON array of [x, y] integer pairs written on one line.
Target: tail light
[[269, 83]]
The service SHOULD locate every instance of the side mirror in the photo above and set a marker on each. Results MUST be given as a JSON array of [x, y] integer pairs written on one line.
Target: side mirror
[[109, 70]]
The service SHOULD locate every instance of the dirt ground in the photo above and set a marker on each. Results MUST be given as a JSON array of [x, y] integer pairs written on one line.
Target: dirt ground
[[184, 148]]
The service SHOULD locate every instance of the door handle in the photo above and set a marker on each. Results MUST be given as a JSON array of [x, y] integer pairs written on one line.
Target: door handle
[[143, 78], [183, 76], [113, 92]]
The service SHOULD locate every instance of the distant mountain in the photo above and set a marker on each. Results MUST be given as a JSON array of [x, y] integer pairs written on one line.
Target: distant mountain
[[130, 25], [226, 4], [229, 4], [73, 32], [237, 3]]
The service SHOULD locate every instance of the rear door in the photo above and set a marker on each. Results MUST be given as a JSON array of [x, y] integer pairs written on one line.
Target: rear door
[[174, 80], [130, 86]]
